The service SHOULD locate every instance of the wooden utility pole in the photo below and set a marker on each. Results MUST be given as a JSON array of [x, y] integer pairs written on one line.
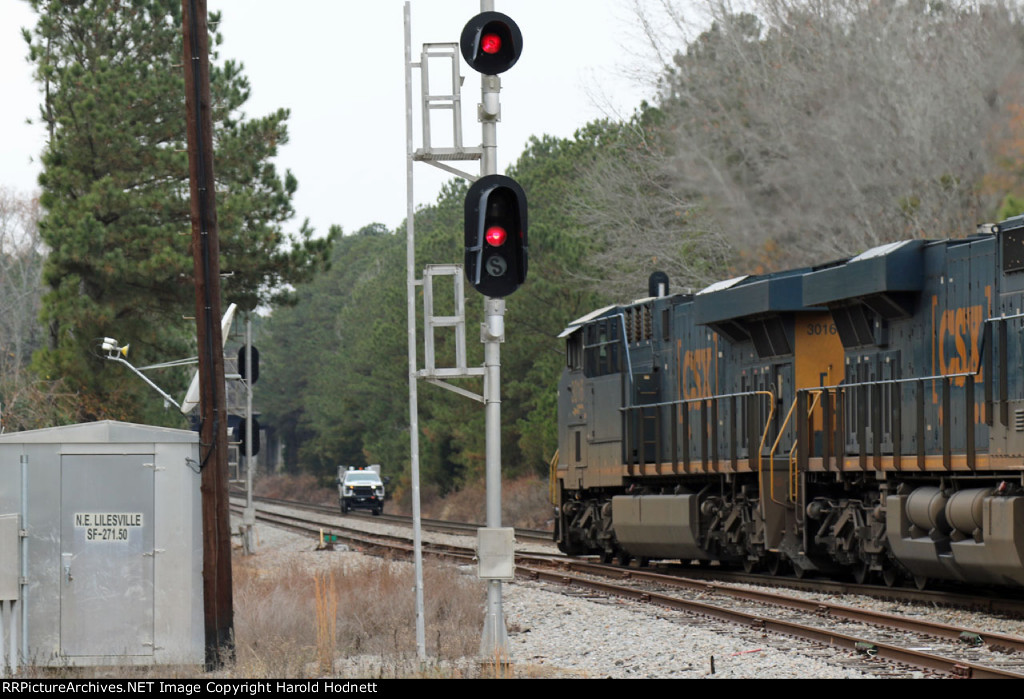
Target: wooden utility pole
[[213, 439]]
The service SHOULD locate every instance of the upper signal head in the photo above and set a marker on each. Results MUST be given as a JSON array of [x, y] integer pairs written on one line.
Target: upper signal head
[[491, 43]]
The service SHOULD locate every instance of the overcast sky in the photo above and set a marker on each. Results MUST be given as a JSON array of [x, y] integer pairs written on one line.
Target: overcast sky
[[339, 66]]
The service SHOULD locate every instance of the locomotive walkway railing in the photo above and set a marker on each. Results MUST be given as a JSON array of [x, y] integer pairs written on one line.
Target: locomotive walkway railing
[[644, 426], [637, 417], [863, 420], [867, 422], [867, 419]]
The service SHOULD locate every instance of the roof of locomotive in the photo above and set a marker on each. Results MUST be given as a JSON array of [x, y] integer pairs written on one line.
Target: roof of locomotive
[[883, 269], [583, 320], [742, 297], [891, 268]]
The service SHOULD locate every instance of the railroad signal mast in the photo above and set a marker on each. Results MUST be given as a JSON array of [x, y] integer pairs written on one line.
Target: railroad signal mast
[[495, 264]]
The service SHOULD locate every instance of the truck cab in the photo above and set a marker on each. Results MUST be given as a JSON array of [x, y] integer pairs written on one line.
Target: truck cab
[[360, 488]]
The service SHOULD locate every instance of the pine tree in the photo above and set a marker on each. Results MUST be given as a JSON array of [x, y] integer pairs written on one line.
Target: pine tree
[[115, 195]]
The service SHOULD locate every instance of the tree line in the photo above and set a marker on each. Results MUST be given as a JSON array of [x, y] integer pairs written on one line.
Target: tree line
[[777, 134]]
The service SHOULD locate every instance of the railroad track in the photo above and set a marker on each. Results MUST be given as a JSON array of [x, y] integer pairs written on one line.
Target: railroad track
[[404, 520], [877, 637], [995, 601], [991, 601], [922, 643]]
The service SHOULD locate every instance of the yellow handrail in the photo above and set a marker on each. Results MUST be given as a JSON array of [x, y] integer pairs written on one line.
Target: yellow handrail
[[792, 451], [764, 435], [771, 455]]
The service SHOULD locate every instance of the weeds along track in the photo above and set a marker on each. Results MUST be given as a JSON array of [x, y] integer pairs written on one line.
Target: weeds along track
[[949, 649]]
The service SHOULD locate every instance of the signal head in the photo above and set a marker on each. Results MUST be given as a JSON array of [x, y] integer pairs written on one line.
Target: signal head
[[491, 43], [495, 223]]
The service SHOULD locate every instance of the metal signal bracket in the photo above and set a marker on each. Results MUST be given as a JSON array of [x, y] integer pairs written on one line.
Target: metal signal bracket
[[449, 101], [431, 372]]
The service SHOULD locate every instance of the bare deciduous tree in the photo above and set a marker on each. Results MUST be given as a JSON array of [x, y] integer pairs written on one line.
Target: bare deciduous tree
[[802, 130], [644, 221], [26, 401], [21, 264]]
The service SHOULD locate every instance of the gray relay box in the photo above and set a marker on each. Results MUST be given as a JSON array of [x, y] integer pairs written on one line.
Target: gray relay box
[[114, 544]]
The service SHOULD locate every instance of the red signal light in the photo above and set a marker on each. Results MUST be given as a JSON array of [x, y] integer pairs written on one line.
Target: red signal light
[[496, 236], [490, 44]]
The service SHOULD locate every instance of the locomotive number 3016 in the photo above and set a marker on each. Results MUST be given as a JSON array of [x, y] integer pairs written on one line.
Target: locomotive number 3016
[[821, 328]]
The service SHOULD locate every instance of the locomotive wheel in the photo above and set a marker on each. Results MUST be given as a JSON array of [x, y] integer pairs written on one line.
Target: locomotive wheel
[[890, 577], [921, 582], [861, 572], [773, 562], [749, 565]]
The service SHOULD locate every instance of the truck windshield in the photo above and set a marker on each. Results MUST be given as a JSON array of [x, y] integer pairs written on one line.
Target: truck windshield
[[362, 477]]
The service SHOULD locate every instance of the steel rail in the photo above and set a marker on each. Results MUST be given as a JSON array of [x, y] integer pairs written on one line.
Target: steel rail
[[405, 520], [956, 668], [832, 610]]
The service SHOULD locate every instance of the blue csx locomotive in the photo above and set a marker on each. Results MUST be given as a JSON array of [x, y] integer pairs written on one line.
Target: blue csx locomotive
[[864, 416]]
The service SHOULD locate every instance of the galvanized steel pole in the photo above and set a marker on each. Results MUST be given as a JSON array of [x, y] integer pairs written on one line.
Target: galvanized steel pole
[[414, 423], [249, 516], [494, 643]]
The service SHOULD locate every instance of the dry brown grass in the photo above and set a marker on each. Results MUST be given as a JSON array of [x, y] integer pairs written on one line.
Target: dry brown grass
[[302, 488], [524, 503], [351, 617], [326, 619], [282, 618]]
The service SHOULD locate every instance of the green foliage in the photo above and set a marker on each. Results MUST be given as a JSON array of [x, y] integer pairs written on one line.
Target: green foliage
[[318, 354], [346, 401], [116, 197], [1012, 206]]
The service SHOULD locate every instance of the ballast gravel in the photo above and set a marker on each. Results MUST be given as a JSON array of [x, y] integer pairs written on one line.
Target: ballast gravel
[[600, 637]]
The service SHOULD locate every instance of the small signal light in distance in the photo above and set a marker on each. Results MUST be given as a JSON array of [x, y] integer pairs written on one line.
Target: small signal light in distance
[[241, 435]]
